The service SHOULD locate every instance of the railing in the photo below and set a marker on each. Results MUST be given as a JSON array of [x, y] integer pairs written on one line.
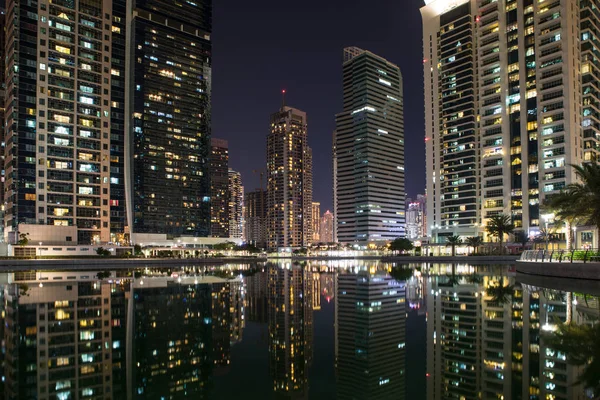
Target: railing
[[561, 256]]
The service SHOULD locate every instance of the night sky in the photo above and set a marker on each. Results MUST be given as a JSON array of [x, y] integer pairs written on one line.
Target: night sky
[[262, 47]]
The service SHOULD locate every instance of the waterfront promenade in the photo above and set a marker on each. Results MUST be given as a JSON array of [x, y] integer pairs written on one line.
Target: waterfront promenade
[[546, 264], [17, 264]]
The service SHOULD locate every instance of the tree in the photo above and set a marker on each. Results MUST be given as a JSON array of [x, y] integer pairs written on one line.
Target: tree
[[103, 275], [474, 242], [498, 226], [474, 278], [224, 246], [453, 241], [101, 251], [249, 247], [565, 209], [137, 250], [500, 294], [521, 238], [401, 274], [23, 239], [401, 245], [581, 346], [585, 196]]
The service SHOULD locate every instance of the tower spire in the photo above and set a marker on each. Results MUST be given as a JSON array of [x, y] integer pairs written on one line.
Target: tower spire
[[282, 98]]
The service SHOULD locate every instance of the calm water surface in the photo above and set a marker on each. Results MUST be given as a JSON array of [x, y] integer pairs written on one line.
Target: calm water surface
[[345, 330]]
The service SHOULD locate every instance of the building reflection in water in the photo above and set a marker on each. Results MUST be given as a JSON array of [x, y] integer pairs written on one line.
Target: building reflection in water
[[370, 314], [71, 335], [490, 343], [291, 302]]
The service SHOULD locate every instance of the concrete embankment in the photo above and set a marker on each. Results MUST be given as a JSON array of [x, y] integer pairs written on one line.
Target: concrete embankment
[[115, 263], [589, 271], [125, 263], [456, 259]]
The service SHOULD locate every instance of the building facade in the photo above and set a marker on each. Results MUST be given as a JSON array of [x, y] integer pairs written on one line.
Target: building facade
[[416, 218], [289, 180], [326, 228], [75, 72], [219, 188], [369, 151], [236, 205], [315, 221], [58, 136], [255, 219], [508, 108], [171, 67]]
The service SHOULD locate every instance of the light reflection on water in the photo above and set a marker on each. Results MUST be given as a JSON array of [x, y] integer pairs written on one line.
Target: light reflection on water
[[343, 329]]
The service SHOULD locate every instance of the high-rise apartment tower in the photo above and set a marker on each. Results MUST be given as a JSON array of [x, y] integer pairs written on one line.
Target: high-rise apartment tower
[[508, 108], [369, 151], [289, 180]]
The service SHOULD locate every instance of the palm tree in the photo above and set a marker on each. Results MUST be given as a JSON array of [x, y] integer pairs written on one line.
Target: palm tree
[[585, 196], [564, 208], [474, 242], [474, 278], [581, 346], [521, 238], [500, 294], [453, 241], [500, 225], [453, 279]]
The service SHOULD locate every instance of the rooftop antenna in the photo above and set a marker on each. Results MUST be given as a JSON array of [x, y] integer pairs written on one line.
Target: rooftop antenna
[[283, 98]]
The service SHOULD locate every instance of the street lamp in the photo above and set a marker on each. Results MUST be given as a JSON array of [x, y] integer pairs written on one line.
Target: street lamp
[[574, 244], [40, 249], [546, 218]]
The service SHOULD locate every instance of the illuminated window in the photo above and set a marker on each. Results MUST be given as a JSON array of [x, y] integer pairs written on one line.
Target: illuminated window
[[62, 49], [61, 314], [62, 118], [60, 212]]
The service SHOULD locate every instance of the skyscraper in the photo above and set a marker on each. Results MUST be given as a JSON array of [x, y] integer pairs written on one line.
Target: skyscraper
[[326, 228], [289, 180], [416, 217], [2, 114], [63, 133], [255, 223], [219, 188], [369, 151], [315, 221], [74, 174], [507, 91], [171, 86], [236, 204]]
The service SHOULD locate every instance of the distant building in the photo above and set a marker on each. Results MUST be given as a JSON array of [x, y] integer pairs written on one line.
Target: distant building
[[219, 188], [255, 224], [315, 221], [416, 217], [289, 180], [326, 228], [236, 204], [335, 181], [369, 151]]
